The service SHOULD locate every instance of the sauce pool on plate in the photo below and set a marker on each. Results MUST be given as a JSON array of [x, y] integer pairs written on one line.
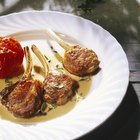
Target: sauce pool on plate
[[57, 111]]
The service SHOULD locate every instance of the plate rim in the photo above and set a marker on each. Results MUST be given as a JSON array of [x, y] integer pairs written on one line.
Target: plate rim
[[98, 26]]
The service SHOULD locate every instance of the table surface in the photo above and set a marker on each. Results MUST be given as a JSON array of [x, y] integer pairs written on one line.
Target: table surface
[[120, 17]]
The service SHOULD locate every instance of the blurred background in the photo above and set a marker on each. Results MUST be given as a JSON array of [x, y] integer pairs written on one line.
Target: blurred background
[[120, 17]]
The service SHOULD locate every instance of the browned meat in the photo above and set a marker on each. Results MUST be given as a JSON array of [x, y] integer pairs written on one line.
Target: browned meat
[[80, 61], [24, 98], [58, 88], [77, 60]]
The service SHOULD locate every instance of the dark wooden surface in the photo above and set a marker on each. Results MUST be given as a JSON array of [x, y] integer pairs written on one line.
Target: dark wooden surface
[[122, 19]]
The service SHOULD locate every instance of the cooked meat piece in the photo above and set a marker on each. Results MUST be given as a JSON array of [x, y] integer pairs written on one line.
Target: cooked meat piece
[[24, 98], [80, 61], [77, 60], [58, 88]]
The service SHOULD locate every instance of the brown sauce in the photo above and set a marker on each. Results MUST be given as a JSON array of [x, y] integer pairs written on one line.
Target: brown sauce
[[52, 114]]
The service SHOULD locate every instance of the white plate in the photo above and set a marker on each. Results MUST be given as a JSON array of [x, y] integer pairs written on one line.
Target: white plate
[[108, 87]]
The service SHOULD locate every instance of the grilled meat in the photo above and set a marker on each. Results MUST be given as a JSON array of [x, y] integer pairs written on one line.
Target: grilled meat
[[58, 88], [80, 61], [77, 60], [24, 98]]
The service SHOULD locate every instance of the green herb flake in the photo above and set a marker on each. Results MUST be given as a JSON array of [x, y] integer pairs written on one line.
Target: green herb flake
[[53, 49], [52, 106], [47, 59], [79, 97], [43, 107], [32, 76], [59, 69], [41, 111], [8, 82]]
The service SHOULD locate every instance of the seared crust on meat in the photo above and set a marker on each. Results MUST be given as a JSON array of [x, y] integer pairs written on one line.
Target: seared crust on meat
[[24, 98], [59, 88], [80, 61]]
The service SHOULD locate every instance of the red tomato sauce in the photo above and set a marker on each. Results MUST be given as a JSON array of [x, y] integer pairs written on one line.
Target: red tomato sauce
[[11, 57]]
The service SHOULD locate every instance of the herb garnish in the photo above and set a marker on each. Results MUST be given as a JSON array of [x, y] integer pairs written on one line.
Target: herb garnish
[[47, 59], [53, 49], [32, 75], [41, 111], [59, 69], [8, 82], [52, 106], [79, 97]]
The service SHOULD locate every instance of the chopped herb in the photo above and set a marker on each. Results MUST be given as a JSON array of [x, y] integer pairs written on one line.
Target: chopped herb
[[52, 106], [53, 49], [8, 82], [4, 92], [59, 69], [47, 59], [32, 75], [41, 111], [43, 107], [79, 97]]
